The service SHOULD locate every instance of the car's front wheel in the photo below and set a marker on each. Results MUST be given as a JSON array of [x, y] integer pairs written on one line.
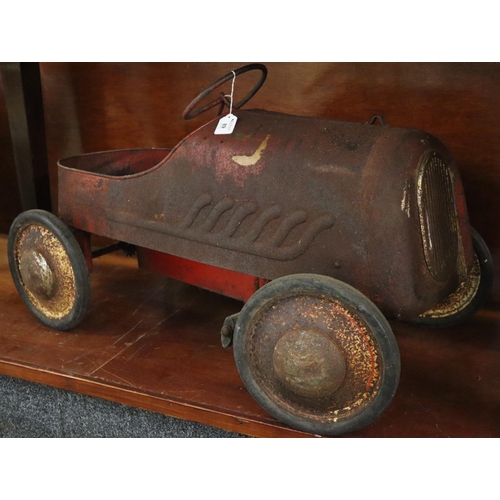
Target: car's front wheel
[[316, 354]]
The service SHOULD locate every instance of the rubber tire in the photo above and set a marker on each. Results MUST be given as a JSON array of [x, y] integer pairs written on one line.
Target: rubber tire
[[351, 297], [485, 285], [76, 258]]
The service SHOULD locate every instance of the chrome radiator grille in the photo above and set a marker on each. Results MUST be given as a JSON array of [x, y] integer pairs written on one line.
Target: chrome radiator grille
[[438, 220]]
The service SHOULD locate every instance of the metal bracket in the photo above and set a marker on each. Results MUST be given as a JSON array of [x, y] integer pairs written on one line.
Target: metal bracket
[[227, 330]]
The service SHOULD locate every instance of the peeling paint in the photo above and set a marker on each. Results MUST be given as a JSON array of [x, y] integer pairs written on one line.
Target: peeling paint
[[405, 202], [248, 161]]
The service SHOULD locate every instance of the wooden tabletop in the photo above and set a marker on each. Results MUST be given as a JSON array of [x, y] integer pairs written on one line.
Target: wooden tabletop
[[154, 343]]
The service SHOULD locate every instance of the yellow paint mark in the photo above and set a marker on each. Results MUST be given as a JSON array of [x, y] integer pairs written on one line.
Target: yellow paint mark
[[248, 161]]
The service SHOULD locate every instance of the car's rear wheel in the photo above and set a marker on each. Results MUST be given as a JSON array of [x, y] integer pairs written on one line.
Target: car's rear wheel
[[316, 354], [49, 269], [469, 296]]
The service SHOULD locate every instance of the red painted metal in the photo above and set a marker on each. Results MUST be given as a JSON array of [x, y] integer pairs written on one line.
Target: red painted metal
[[281, 195], [229, 283]]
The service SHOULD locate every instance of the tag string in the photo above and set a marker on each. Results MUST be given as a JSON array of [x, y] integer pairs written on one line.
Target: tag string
[[232, 93]]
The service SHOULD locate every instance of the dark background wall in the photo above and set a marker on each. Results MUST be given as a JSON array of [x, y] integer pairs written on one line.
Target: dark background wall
[[10, 201], [98, 106]]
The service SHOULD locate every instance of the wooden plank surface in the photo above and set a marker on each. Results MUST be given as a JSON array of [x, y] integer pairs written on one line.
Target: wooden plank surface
[[153, 343]]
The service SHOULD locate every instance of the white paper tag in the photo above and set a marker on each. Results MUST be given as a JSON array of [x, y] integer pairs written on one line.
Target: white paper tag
[[226, 124]]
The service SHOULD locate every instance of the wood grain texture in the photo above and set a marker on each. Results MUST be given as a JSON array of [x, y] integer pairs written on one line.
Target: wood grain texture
[[153, 343]]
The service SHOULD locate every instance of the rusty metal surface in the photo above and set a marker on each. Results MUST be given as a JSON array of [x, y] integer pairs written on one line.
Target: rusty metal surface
[[281, 195], [314, 357], [460, 298], [309, 363], [46, 272]]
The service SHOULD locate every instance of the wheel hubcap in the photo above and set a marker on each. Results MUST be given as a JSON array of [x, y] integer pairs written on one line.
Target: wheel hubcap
[[309, 363], [37, 274], [310, 356], [45, 270]]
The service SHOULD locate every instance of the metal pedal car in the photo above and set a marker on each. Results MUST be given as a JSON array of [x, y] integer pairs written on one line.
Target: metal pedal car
[[322, 228]]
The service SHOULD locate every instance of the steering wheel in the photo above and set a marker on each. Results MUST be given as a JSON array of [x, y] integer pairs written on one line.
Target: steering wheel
[[222, 100]]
